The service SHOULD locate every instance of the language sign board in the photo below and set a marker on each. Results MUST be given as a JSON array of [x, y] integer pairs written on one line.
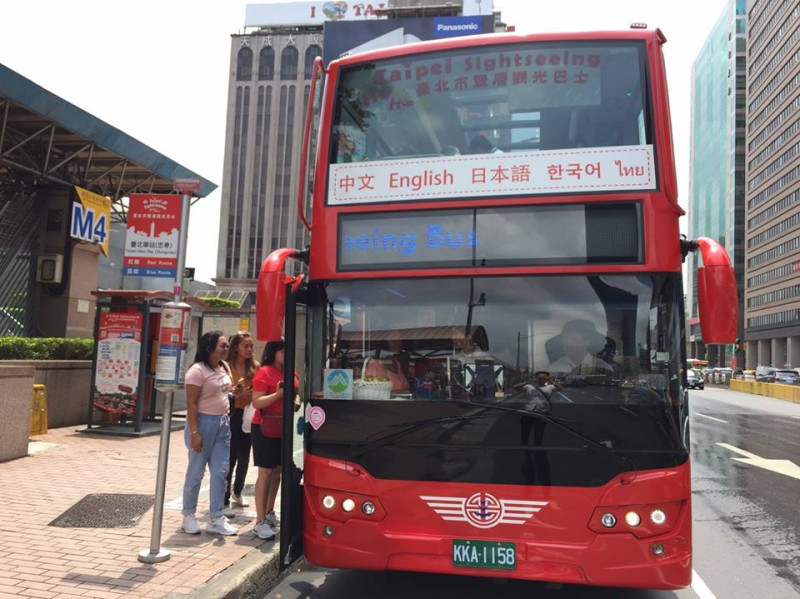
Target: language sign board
[[620, 168], [151, 244]]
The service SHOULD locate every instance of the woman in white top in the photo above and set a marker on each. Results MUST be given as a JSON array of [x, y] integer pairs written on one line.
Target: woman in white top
[[208, 432]]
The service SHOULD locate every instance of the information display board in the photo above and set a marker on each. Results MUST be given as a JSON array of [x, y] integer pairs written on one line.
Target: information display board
[[608, 233]]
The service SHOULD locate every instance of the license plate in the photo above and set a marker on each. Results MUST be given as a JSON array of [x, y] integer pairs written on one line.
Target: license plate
[[484, 554]]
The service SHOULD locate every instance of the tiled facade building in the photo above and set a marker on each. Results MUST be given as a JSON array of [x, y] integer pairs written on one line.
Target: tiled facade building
[[270, 72], [772, 272]]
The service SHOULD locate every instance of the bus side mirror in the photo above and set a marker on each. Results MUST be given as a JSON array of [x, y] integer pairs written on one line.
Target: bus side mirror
[[271, 295], [717, 299], [270, 305]]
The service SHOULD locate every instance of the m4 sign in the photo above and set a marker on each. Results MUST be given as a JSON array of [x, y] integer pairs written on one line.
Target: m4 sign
[[87, 225], [90, 218]]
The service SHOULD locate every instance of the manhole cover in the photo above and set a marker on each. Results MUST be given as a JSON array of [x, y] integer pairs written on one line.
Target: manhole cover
[[105, 510]]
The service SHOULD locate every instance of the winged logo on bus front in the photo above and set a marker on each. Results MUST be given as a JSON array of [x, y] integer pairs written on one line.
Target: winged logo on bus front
[[483, 510]]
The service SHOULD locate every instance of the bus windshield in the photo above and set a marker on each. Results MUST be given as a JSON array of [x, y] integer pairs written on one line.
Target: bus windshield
[[509, 98], [597, 356], [483, 338]]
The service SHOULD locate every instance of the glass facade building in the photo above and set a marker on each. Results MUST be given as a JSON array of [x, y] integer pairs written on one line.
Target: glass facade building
[[717, 169]]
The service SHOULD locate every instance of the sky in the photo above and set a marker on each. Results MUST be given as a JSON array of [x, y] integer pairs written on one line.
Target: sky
[[158, 70]]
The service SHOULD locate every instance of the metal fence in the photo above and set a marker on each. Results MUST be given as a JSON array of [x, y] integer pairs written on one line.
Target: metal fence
[[20, 224]]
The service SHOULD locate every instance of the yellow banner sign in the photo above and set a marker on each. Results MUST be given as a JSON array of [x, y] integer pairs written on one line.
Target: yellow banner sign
[[91, 218]]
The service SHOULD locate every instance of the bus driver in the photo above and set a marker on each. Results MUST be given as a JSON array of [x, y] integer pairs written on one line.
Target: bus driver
[[579, 341]]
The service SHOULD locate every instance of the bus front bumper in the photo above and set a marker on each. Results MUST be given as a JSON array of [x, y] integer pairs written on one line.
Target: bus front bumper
[[608, 560]]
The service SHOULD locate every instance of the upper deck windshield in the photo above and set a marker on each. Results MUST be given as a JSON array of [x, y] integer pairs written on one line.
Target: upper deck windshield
[[509, 98]]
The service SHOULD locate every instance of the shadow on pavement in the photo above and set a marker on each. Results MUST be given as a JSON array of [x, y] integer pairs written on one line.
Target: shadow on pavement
[[310, 582]]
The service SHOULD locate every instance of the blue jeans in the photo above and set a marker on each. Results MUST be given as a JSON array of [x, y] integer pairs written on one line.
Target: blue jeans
[[216, 434]]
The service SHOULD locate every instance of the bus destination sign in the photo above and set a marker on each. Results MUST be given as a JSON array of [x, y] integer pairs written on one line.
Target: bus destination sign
[[515, 236]]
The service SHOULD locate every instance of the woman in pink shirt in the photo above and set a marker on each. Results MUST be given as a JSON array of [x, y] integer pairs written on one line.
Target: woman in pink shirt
[[208, 432]]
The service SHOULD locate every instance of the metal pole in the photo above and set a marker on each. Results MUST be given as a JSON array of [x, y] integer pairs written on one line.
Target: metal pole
[[182, 240], [155, 554]]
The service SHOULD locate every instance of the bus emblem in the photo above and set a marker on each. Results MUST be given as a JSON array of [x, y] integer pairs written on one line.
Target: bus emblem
[[483, 510]]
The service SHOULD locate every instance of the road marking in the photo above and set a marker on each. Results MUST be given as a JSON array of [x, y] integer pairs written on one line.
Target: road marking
[[700, 587], [712, 418], [785, 467]]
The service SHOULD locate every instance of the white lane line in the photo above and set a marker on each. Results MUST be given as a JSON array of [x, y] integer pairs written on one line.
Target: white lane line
[[743, 452], [712, 418], [700, 587], [786, 467]]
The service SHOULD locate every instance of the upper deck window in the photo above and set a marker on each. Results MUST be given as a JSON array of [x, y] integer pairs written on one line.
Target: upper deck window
[[491, 99]]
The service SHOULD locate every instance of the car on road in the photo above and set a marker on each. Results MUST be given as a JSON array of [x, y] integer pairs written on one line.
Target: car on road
[[787, 377], [694, 380]]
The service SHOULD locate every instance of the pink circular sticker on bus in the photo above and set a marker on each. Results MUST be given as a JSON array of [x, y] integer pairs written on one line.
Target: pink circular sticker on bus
[[316, 417]]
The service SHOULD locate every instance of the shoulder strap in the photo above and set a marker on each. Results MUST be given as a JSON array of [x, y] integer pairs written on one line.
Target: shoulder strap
[[227, 368]]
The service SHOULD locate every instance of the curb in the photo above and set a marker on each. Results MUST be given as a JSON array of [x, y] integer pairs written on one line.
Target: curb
[[250, 577]]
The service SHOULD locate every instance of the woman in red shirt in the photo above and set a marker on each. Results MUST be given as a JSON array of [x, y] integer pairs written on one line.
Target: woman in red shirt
[[266, 432]]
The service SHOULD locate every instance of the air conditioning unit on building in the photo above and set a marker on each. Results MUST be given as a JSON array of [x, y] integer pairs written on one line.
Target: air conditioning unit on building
[[49, 268]]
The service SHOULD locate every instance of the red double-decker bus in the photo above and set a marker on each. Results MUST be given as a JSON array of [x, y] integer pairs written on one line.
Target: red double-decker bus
[[494, 376]]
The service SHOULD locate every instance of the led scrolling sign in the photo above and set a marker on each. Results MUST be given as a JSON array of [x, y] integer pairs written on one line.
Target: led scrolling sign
[[606, 233]]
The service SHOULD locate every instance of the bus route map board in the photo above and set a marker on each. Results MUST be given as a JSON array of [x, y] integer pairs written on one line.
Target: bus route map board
[[117, 372]]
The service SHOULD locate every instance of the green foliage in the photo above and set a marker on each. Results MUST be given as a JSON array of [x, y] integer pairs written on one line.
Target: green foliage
[[216, 302], [45, 348]]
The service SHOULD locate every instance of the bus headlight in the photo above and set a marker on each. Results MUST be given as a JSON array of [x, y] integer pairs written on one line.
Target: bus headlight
[[328, 502], [658, 517], [633, 519], [368, 508], [609, 520], [348, 505]]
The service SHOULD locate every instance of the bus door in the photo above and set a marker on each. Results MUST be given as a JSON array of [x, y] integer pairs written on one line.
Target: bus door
[[291, 533]]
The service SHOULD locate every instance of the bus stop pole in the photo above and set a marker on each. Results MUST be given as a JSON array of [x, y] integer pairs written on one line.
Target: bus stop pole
[[156, 554]]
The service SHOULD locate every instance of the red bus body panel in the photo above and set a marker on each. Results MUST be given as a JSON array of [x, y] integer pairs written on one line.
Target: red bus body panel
[[556, 544]]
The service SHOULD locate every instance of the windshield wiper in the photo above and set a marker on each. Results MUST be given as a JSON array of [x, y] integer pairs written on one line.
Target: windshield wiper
[[411, 427], [559, 422]]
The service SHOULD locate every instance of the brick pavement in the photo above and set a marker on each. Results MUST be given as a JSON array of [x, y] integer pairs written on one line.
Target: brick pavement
[[37, 560]]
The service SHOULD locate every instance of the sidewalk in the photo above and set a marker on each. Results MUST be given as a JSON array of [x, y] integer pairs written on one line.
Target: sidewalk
[[40, 560]]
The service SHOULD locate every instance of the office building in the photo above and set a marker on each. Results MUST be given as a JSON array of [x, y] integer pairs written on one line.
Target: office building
[[772, 272]]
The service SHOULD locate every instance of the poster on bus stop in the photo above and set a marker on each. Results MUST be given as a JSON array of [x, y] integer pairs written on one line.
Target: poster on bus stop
[[119, 345], [151, 243]]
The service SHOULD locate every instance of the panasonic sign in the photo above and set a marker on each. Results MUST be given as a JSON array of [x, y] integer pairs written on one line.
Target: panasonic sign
[[455, 26]]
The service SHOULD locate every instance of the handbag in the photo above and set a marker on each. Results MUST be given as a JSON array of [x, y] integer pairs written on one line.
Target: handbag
[[247, 418]]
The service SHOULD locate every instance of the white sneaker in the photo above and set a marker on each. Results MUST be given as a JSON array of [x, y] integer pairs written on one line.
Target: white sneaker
[[220, 526], [263, 530], [273, 519], [190, 525], [239, 500]]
